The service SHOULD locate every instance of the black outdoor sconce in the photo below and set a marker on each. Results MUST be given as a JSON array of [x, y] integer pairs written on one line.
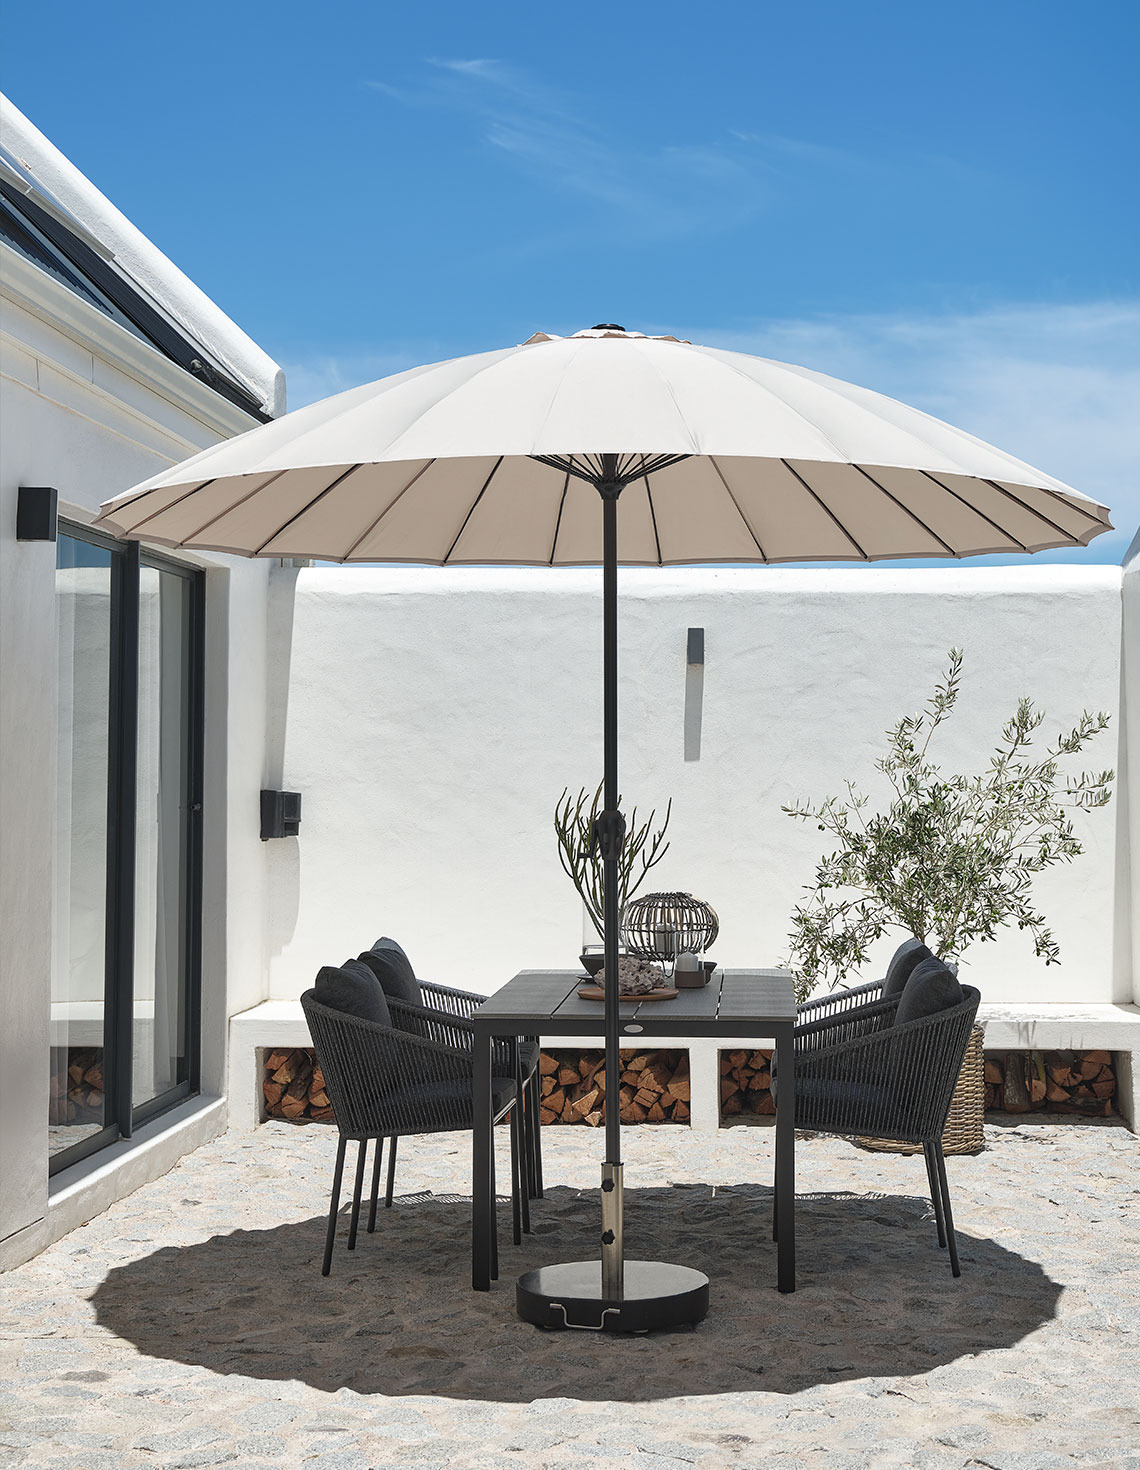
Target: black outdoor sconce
[[37, 509], [695, 649], [280, 814]]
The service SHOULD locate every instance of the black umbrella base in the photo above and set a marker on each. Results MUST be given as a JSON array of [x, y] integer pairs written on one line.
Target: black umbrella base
[[656, 1297]]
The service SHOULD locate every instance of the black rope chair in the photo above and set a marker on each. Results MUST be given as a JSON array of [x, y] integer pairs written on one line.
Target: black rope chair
[[860, 1075], [462, 1005], [389, 1082]]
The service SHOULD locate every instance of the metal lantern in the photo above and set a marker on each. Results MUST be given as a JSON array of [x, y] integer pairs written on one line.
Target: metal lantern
[[660, 926]]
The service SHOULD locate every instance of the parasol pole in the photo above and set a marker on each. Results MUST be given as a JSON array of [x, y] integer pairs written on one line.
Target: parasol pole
[[609, 835]]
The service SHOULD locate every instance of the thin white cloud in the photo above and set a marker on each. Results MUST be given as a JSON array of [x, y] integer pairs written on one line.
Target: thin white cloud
[[1056, 385]]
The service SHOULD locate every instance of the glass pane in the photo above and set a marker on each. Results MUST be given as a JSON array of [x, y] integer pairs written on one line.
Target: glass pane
[[83, 599], [160, 1052]]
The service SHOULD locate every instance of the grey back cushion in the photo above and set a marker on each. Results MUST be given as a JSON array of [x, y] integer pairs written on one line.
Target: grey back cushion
[[388, 962], [354, 989], [932, 987], [909, 954]]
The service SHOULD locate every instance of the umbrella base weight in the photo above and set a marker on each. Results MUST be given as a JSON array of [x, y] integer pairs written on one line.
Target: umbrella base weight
[[657, 1296]]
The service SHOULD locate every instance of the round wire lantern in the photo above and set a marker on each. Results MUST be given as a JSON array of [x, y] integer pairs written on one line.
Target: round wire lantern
[[660, 926]]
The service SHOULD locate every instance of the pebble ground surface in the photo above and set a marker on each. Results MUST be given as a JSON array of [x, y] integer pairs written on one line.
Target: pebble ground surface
[[189, 1325]]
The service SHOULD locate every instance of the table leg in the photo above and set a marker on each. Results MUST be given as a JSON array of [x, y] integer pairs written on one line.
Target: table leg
[[785, 1161], [482, 1198]]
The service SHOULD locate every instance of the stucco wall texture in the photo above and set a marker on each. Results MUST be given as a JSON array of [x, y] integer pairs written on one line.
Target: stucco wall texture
[[431, 718]]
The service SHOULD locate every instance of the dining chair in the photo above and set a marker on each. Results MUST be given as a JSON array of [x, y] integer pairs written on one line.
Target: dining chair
[[869, 1066], [390, 1081]]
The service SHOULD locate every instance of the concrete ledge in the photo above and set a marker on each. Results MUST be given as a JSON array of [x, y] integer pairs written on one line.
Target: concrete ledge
[[88, 1188], [1114, 1028]]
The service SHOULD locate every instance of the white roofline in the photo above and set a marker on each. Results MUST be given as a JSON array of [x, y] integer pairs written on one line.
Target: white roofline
[[184, 302]]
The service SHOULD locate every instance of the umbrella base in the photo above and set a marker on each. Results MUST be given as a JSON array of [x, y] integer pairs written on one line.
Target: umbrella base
[[656, 1297]]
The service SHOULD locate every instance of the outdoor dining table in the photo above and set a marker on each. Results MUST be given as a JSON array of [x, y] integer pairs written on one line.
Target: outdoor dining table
[[735, 1004]]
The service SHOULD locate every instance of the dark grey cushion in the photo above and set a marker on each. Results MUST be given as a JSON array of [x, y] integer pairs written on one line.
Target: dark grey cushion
[[354, 989], [932, 987], [905, 958], [389, 964], [441, 1101]]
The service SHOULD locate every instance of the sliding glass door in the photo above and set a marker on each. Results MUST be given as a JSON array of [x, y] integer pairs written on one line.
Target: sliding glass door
[[126, 968], [167, 806]]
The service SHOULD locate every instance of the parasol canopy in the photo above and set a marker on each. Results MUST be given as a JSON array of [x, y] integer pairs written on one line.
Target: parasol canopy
[[438, 465]]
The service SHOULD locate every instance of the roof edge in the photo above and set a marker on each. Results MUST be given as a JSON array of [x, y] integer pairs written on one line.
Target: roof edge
[[141, 260]]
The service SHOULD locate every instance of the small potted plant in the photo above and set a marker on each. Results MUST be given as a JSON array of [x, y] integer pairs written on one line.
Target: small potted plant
[[643, 849]]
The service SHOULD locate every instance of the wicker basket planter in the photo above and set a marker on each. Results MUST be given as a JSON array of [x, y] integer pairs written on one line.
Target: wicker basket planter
[[964, 1133]]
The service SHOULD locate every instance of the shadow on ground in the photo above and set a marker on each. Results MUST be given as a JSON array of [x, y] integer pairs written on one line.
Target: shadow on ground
[[875, 1298]]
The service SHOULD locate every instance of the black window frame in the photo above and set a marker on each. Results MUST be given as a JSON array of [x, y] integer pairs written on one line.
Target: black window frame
[[121, 1116]]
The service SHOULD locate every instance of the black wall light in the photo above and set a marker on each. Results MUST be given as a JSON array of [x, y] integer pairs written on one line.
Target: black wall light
[[280, 814], [696, 646], [37, 510]]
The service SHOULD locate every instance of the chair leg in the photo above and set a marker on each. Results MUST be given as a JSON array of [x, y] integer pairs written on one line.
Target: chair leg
[[391, 1184], [940, 1159], [775, 1209], [334, 1205], [534, 1104], [361, 1157], [375, 1185], [516, 1176], [494, 1221], [935, 1192]]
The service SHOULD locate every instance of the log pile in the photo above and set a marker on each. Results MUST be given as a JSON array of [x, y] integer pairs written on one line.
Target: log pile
[[1081, 1082], [746, 1084], [654, 1087], [294, 1087], [76, 1096]]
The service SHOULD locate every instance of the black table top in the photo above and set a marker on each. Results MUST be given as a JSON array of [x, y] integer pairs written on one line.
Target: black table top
[[734, 1002]]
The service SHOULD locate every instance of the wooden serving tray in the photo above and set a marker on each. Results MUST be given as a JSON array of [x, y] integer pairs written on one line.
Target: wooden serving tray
[[596, 992]]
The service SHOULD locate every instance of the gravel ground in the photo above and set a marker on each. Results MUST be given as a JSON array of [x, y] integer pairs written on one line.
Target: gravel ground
[[189, 1325]]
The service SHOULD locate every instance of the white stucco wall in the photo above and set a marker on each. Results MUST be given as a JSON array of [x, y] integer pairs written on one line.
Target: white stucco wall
[[90, 409], [433, 718]]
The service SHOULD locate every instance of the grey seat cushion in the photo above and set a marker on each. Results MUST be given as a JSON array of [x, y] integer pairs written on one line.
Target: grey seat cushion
[[932, 987], [447, 1100], [353, 989], [528, 1056], [392, 969], [910, 953]]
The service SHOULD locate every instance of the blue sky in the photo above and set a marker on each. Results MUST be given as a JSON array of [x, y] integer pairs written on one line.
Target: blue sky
[[938, 200]]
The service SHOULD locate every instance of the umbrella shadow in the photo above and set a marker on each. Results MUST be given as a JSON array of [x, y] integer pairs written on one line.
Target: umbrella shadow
[[875, 1298]]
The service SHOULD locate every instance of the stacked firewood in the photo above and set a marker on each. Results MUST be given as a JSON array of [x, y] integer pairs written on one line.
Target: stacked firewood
[[746, 1083], [76, 1096], [654, 1087], [294, 1086], [1054, 1081]]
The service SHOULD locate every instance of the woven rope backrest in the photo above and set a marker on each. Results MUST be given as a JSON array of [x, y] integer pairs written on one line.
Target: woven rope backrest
[[383, 1081]]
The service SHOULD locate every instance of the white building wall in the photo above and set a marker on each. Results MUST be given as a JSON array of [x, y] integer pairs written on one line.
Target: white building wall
[[90, 409], [433, 718]]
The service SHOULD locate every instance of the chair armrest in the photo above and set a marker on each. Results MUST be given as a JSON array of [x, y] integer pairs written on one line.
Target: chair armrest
[[839, 1000], [455, 1002], [441, 1027], [844, 1025], [455, 1031]]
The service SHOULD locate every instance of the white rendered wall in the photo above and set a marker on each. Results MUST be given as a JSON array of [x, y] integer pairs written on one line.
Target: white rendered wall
[[433, 717], [88, 408]]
